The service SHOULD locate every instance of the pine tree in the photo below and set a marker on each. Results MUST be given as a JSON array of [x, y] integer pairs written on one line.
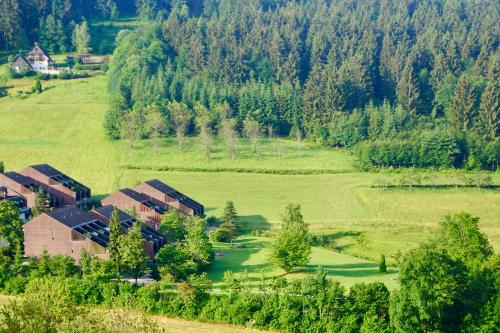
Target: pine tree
[[489, 113], [460, 111], [115, 233], [407, 91], [42, 203], [382, 266], [229, 219], [38, 86]]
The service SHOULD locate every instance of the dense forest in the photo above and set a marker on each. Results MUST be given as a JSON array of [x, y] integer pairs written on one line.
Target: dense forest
[[52, 21], [418, 80]]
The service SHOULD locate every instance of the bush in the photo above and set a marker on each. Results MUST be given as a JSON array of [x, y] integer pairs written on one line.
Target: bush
[[218, 235], [212, 221]]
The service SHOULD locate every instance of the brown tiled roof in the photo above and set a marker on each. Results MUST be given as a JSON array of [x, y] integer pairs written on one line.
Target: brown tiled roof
[[37, 50]]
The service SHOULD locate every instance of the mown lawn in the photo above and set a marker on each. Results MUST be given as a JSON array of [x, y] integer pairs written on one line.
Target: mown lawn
[[254, 261], [63, 127]]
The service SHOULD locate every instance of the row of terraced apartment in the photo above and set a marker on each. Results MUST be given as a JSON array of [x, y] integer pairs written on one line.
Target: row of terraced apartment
[[68, 227]]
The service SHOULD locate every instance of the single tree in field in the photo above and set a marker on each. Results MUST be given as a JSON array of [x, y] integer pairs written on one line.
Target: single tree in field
[[42, 203], [181, 117], [130, 128], [38, 86], [461, 109], [81, 37], [115, 234], [292, 247], [229, 218], [229, 135], [203, 120], [278, 147], [155, 126], [489, 113], [131, 251], [382, 266], [2, 167], [252, 131]]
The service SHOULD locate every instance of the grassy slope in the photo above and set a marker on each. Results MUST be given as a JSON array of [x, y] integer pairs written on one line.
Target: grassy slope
[[63, 126]]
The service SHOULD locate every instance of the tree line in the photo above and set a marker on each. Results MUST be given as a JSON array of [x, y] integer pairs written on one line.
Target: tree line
[[337, 72]]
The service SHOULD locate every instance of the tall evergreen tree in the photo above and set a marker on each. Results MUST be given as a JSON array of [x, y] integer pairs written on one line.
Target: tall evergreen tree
[[408, 94], [489, 113], [461, 109]]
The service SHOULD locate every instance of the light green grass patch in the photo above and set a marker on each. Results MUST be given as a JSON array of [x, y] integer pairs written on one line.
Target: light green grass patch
[[255, 260]]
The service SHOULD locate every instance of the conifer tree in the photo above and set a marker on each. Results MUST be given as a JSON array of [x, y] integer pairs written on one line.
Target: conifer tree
[[2, 167], [489, 113], [460, 111], [382, 267], [407, 91], [38, 86], [229, 218]]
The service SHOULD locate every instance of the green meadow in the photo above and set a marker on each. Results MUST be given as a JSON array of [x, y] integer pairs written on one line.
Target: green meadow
[[63, 126]]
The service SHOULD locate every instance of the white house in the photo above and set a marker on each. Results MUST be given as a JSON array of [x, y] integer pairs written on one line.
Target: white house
[[37, 59]]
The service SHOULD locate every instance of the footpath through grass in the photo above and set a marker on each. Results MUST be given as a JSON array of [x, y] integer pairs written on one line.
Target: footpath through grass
[[63, 127]]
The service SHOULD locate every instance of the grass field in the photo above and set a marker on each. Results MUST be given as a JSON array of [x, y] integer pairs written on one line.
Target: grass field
[[254, 259], [63, 127]]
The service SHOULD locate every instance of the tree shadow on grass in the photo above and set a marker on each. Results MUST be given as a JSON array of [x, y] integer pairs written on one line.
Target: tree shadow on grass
[[248, 223], [234, 258]]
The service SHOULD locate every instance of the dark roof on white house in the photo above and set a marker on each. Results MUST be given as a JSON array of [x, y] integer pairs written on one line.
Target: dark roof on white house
[[19, 59]]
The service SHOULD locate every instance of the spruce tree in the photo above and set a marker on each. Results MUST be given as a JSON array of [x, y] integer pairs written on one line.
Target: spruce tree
[[382, 267], [115, 233], [42, 203], [228, 226], [2, 167], [38, 86], [489, 113], [407, 91], [460, 111]]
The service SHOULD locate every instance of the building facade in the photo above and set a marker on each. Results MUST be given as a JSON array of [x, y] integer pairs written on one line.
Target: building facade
[[161, 193], [137, 203], [66, 190]]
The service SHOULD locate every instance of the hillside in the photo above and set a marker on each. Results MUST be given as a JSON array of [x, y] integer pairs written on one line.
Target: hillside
[[63, 126]]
